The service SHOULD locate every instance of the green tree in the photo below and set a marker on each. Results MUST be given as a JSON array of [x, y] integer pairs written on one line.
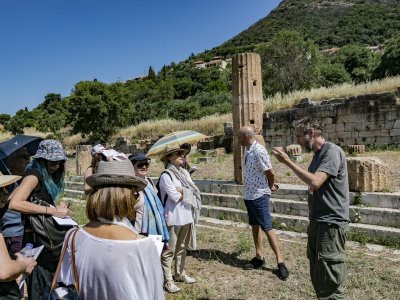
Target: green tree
[[97, 110], [390, 61], [151, 75], [289, 63], [358, 61], [4, 118], [331, 74]]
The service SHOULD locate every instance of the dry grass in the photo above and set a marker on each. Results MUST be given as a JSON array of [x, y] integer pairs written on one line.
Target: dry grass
[[217, 266], [278, 101], [210, 125]]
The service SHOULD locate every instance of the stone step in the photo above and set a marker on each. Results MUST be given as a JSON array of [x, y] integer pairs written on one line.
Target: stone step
[[79, 195], [286, 191], [299, 223], [357, 214], [74, 200]]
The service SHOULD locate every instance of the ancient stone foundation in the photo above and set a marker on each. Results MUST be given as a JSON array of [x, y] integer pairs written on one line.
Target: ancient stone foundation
[[367, 174], [364, 120]]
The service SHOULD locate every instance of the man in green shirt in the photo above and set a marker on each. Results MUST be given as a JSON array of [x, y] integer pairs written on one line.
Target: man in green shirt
[[328, 202]]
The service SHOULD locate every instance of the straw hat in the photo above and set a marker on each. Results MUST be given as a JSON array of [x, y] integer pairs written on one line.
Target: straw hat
[[116, 173], [8, 179], [169, 149]]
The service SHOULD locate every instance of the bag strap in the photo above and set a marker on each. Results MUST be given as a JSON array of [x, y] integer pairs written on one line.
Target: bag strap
[[75, 272], [60, 260]]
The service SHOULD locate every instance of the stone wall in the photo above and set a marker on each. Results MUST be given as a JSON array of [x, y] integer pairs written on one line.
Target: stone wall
[[367, 119]]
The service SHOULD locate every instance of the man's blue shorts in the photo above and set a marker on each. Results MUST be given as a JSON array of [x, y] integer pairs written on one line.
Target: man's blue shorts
[[258, 212]]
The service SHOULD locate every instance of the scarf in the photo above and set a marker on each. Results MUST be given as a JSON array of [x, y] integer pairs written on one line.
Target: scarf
[[191, 196], [153, 215]]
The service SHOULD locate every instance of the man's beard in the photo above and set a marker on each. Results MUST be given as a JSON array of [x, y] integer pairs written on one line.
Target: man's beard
[[308, 146]]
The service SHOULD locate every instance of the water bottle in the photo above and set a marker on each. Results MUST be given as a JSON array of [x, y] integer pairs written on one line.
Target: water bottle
[[27, 250]]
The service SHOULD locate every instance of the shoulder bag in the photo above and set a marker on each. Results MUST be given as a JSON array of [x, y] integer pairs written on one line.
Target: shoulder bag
[[58, 290]]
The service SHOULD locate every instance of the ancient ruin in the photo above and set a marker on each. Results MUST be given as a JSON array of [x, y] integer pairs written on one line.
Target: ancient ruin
[[247, 102]]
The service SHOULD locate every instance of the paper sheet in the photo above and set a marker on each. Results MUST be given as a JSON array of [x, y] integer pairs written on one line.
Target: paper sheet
[[35, 254], [157, 239], [65, 221]]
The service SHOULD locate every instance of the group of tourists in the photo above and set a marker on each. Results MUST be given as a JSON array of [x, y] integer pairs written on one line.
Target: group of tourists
[[116, 255]]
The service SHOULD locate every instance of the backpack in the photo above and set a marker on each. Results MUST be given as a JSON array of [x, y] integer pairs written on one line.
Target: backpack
[[163, 201]]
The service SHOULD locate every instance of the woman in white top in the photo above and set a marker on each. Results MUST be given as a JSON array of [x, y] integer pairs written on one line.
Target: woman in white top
[[112, 260], [182, 208]]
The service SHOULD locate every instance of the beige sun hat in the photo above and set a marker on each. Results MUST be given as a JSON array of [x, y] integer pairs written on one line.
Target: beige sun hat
[[116, 173], [169, 149], [8, 179]]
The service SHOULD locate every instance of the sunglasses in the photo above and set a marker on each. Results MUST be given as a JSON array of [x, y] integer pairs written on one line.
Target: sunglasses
[[55, 163], [143, 164], [24, 156]]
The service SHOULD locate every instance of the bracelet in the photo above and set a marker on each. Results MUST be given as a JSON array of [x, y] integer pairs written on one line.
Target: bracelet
[[46, 210]]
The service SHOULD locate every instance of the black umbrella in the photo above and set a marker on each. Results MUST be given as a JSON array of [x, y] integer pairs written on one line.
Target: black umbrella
[[10, 146]]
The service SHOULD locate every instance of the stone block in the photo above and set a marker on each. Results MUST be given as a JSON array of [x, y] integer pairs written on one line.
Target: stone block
[[367, 174], [220, 152], [339, 127], [297, 158], [206, 145], [329, 128], [228, 128], [394, 132], [356, 149], [207, 159], [293, 150], [206, 152]]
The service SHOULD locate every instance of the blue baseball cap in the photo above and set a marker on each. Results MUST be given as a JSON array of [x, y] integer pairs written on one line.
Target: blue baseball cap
[[138, 157]]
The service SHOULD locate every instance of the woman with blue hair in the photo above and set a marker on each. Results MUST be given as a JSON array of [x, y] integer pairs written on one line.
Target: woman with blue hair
[[43, 179]]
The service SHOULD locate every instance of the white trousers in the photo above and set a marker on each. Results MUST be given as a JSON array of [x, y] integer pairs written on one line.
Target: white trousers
[[179, 237]]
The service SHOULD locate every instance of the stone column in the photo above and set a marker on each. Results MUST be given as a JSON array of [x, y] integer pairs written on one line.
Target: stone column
[[83, 158], [247, 102]]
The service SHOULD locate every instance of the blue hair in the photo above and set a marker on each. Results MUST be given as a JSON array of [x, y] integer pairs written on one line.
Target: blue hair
[[54, 184]]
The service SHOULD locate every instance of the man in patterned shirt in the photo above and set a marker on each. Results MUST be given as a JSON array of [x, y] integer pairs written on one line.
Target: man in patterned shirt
[[259, 181]]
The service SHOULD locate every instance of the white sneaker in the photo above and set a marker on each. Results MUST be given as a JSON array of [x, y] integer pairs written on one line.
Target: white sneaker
[[184, 278], [170, 287]]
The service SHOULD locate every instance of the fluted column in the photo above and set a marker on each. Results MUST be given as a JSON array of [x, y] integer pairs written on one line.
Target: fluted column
[[247, 102]]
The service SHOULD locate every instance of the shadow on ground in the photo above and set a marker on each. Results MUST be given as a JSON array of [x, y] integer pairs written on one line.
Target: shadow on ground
[[230, 259]]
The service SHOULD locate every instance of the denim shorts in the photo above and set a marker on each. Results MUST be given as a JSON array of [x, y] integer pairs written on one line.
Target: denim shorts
[[258, 212]]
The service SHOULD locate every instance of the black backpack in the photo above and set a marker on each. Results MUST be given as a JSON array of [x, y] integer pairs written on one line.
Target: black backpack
[[163, 201]]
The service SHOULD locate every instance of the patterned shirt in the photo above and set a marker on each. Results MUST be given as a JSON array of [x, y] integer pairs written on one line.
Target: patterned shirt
[[256, 162]]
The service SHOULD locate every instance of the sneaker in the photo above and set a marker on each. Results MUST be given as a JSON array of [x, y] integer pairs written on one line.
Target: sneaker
[[255, 263], [185, 278], [170, 287], [283, 272]]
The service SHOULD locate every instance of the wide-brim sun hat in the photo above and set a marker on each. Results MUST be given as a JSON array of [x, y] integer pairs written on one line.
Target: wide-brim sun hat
[[6, 180], [97, 149], [116, 172], [169, 149], [51, 150]]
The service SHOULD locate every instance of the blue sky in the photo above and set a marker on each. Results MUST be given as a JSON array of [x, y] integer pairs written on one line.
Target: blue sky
[[46, 46]]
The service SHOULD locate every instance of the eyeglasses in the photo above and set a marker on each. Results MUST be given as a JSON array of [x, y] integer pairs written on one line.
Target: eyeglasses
[[55, 163], [24, 156], [142, 164]]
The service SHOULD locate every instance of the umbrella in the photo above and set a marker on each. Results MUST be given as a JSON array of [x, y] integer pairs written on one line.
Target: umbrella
[[176, 138], [10, 146]]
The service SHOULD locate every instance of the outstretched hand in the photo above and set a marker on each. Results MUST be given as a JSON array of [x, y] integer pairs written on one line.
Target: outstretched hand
[[280, 155]]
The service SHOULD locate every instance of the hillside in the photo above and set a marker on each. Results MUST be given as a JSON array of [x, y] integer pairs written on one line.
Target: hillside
[[328, 23]]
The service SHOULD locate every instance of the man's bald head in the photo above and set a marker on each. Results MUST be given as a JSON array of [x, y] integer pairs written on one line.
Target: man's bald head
[[247, 130], [246, 135]]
